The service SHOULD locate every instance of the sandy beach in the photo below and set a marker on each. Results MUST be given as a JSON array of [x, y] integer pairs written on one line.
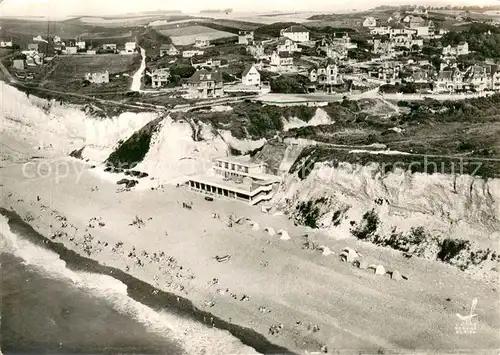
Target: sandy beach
[[299, 299]]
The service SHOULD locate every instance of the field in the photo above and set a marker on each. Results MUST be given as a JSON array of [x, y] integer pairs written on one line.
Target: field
[[69, 71], [185, 36], [127, 21]]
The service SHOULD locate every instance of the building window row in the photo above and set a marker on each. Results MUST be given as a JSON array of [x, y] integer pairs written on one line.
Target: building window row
[[219, 191]]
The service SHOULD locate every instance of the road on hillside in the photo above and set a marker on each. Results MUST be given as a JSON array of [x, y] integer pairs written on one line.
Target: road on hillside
[[369, 148]]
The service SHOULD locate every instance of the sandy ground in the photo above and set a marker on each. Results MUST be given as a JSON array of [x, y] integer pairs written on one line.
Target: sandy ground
[[309, 299]]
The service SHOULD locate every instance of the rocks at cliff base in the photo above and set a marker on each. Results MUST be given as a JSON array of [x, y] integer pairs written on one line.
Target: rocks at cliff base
[[128, 183]]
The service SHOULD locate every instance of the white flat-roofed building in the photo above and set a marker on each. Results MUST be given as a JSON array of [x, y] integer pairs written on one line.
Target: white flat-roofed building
[[237, 178]]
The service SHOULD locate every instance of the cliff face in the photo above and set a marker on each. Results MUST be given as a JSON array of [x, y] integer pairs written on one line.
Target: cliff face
[[58, 129], [453, 219]]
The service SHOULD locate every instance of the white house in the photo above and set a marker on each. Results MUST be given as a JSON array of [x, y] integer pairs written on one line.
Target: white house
[[370, 21], [168, 49], [98, 77], [285, 44], [109, 46], [326, 74], [251, 76], [245, 37], [461, 49], [5, 44], [81, 45], [282, 61], [130, 47], [160, 77], [18, 64], [296, 33]]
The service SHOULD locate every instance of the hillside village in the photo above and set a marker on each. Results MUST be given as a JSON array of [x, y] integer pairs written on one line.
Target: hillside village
[[406, 52]]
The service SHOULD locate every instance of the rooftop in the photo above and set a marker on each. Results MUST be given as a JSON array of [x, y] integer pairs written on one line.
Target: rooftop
[[247, 186], [247, 70], [295, 28], [205, 75]]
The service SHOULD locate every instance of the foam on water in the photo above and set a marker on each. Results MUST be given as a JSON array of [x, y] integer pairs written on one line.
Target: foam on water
[[195, 337]]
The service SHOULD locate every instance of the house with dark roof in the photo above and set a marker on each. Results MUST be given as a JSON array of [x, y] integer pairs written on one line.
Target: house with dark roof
[[250, 76], [256, 49], [205, 84], [370, 22], [160, 77], [449, 80], [168, 49], [326, 75], [416, 21], [296, 33], [282, 61], [285, 44]]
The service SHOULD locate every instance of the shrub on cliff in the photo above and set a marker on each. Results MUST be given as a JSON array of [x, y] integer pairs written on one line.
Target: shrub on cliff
[[450, 248], [368, 226], [133, 150], [308, 213]]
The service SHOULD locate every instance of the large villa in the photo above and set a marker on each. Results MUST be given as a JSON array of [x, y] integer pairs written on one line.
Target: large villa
[[237, 178]]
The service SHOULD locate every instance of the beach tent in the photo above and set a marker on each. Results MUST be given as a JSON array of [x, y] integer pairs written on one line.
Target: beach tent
[[379, 270], [270, 231], [255, 226], [396, 275], [284, 235], [326, 251]]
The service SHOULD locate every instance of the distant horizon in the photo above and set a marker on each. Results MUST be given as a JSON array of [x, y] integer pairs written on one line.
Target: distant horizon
[[96, 8]]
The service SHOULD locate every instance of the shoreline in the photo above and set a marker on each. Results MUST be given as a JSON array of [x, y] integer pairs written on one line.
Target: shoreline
[[143, 292]]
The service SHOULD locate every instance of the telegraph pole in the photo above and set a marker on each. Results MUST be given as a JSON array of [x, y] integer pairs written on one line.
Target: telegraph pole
[[46, 49]]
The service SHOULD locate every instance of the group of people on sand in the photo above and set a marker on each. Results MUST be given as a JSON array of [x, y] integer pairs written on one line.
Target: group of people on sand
[[169, 271]]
